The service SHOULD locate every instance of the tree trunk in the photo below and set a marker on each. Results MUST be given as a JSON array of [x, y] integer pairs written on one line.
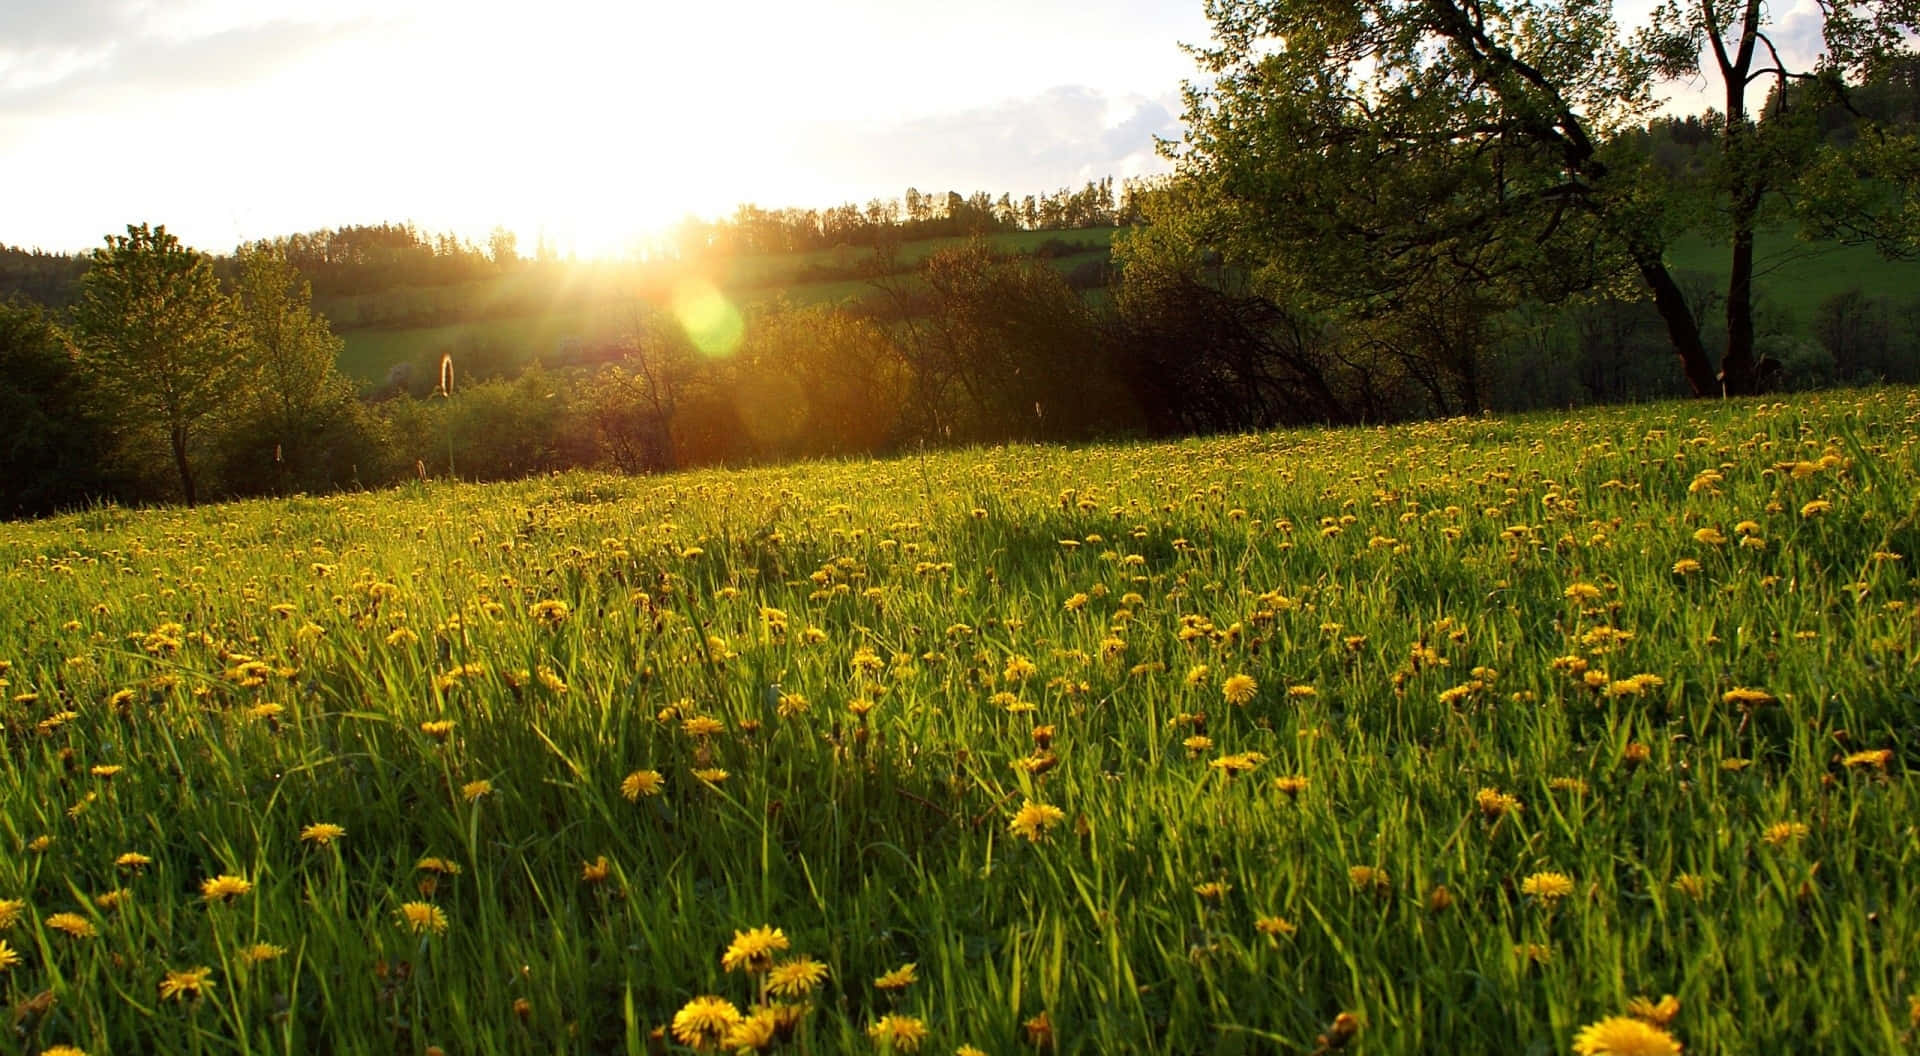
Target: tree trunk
[[178, 434], [1736, 365], [1682, 329]]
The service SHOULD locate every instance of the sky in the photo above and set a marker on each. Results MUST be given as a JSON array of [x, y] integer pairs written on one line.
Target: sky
[[591, 124]]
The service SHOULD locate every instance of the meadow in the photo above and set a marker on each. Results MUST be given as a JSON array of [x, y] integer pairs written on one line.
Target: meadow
[[541, 311], [1584, 733]]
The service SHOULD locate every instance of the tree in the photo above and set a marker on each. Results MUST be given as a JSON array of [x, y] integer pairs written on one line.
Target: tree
[[55, 450], [1369, 154], [300, 424], [157, 333], [503, 246], [293, 349]]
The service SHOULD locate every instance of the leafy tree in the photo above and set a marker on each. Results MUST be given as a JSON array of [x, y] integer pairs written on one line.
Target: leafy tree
[[300, 425], [292, 348], [55, 449], [157, 333], [1369, 155]]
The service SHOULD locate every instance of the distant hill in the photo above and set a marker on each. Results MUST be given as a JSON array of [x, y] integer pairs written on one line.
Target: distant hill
[[558, 311]]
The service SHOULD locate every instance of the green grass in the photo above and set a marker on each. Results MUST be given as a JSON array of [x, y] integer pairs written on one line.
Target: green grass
[[1793, 277], [1415, 606], [534, 315], [534, 312]]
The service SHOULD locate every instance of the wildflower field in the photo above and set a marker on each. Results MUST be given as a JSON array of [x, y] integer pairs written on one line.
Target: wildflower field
[[1576, 734]]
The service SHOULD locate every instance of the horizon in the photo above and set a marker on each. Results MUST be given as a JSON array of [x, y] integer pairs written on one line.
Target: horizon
[[594, 131]]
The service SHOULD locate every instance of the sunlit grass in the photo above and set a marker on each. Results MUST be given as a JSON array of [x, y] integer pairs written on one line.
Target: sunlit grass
[[1449, 738]]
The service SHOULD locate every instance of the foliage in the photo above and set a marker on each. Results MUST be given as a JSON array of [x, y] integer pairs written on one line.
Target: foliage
[[156, 332], [56, 450], [299, 424], [1379, 158], [1457, 737]]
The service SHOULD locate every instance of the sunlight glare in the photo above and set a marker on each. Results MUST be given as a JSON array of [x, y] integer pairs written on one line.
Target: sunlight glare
[[712, 322]]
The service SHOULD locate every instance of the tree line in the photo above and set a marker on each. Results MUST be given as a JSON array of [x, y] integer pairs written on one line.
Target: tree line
[[371, 258], [164, 383]]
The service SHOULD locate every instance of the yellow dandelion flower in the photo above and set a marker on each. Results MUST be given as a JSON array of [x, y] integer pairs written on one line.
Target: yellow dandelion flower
[[1816, 508], [897, 1033], [754, 1033], [438, 866], [1238, 763], [752, 950], [791, 704], [796, 977], [1239, 689], [702, 726], [1548, 887], [1033, 820], [473, 790], [1212, 890], [1709, 537], [63, 1050], [1746, 697], [1290, 785], [1686, 566], [1624, 1036], [596, 871], [438, 729], [72, 925], [261, 953], [898, 979], [8, 958], [1369, 878], [642, 783], [1274, 927], [1876, 758], [1494, 803], [185, 984], [11, 910], [322, 833], [225, 888], [1784, 832], [712, 775], [704, 1022], [421, 918]]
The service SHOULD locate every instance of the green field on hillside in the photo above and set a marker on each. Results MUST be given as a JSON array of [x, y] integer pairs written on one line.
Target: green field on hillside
[[1794, 277], [536, 312], [536, 317], [1473, 736]]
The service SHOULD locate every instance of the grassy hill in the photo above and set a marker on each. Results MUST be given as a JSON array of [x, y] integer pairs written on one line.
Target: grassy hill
[[534, 313], [538, 310], [1793, 276], [1458, 737]]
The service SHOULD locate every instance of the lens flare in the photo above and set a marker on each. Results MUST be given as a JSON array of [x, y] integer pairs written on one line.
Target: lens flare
[[711, 321]]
